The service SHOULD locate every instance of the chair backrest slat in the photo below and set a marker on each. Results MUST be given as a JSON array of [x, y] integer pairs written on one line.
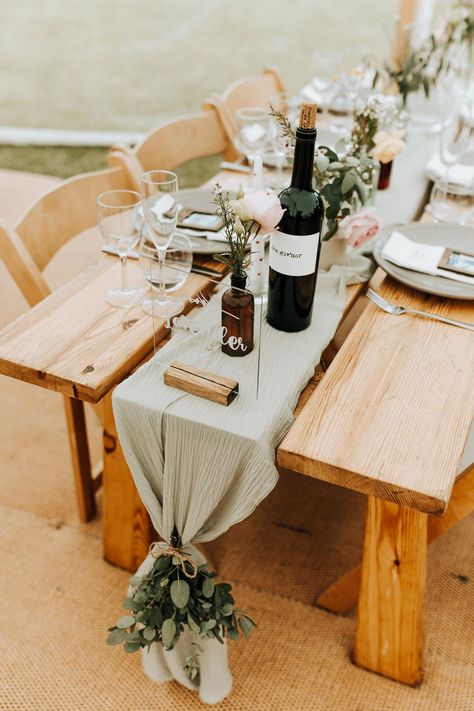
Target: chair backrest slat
[[65, 211], [183, 139], [252, 91]]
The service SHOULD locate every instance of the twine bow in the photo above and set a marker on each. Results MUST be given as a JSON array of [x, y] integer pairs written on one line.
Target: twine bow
[[159, 548]]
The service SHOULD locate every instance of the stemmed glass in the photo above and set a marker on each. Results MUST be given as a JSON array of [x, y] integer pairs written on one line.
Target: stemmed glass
[[455, 132], [253, 127], [452, 203], [118, 221], [174, 271], [160, 210]]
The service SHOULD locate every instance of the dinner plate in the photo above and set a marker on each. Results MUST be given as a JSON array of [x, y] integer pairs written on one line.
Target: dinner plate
[[454, 236]]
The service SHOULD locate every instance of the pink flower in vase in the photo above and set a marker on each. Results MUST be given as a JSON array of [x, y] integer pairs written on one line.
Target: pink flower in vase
[[264, 208], [361, 227]]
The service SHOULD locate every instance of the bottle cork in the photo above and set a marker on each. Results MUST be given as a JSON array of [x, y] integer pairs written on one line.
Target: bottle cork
[[308, 114]]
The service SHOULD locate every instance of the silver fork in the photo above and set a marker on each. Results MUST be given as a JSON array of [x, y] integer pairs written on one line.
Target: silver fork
[[398, 310]]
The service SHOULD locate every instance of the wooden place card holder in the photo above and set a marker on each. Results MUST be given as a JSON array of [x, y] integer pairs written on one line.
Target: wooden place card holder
[[201, 383]]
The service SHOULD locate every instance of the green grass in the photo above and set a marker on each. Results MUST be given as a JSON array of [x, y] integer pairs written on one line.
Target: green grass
[[65, 161]]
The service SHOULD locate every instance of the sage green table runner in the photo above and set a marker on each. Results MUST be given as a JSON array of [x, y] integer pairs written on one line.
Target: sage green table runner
[[203, 467]]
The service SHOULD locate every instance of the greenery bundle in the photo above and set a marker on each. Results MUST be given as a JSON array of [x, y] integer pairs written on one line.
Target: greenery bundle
[[176, 594], [343, 180]]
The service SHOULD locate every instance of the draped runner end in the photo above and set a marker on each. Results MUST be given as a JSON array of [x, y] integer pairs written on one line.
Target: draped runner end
[[201, 469]]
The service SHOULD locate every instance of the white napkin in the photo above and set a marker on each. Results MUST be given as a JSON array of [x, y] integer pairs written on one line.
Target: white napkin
[[460, 174], [419, 257], [214, 236]]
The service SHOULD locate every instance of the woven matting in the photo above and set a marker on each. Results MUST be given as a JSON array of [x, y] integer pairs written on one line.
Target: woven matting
[[58, 597]]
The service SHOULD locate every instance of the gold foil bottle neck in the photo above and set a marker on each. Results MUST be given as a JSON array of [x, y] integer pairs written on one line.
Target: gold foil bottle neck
[[308, 114]]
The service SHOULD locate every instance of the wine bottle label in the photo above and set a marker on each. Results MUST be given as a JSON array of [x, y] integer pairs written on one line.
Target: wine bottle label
[[293, 255]]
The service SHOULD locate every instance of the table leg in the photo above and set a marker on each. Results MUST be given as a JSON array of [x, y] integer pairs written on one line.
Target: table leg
[[389, 636], [127, 526]]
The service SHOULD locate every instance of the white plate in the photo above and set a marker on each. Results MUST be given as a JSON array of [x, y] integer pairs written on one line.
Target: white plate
[[453, 236]]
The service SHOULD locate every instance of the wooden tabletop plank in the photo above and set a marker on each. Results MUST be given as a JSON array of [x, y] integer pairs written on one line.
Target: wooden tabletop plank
[[392, 414], [75, 343]]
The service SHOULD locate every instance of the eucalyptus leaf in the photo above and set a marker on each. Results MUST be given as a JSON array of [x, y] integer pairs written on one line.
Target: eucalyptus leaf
[[163, 563], [140, 597], [348, 182], [179, 591], [208, 587], [117, 636], [126, 621], [193, 625], [168, 632], [149, 633], [227, 609], [322, 163], [131, 647], [246, 625]]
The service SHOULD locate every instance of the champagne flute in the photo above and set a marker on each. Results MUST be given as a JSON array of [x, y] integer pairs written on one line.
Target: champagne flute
[[118, 222], [253, 126], [455, 133], [160, 211], [174, 272]]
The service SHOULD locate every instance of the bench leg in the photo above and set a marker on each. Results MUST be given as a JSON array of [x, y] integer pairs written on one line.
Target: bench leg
[[389, 635], [340, 597], [127, 526]]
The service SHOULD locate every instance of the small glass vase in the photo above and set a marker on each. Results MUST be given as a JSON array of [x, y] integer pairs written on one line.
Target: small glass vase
[[384, 177], [237, 318]]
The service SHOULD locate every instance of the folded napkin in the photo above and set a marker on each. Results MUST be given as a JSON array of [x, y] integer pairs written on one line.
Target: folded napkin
[[460, 174], [214, 236], [419, 257]]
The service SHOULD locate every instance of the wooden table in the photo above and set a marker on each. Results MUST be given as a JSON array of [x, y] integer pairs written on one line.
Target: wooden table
[[390, 418]]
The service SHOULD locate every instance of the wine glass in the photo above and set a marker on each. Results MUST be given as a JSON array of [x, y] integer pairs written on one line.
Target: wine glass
[[452, 203], [326, 64], [172, 274], [118, 221], [160, 211], [253, 127], [456, 127]]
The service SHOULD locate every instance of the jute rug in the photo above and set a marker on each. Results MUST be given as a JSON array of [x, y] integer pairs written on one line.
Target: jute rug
[[58, 597]]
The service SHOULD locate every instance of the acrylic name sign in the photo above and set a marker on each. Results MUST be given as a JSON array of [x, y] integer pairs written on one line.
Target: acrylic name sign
[[218, 336], [204, 341]]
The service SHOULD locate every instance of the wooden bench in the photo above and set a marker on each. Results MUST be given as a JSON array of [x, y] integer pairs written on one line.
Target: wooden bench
[[390, 419]]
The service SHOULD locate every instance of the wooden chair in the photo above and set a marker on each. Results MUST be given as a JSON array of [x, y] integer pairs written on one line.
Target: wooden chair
[[171, 144], [250, 91], [26, 248]]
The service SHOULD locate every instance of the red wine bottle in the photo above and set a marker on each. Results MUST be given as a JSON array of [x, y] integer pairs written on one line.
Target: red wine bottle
[[296, 244]]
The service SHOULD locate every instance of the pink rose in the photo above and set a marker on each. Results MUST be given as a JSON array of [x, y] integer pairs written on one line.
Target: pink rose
[[359, 228], [264, 208]]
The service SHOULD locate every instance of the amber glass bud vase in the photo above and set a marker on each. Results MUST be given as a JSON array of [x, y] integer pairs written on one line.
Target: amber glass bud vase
[[237, 318]]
